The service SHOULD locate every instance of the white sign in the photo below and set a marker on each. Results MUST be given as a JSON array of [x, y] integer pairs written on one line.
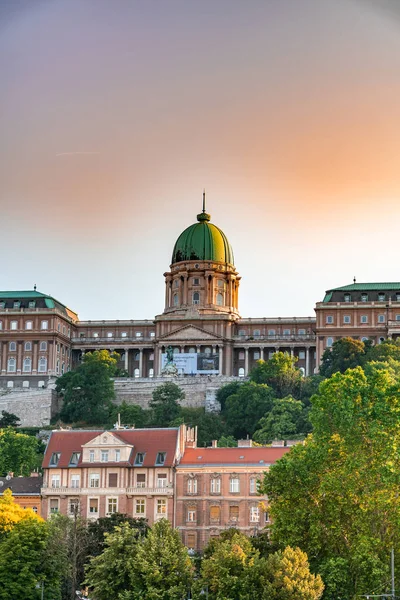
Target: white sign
[[192, 363]]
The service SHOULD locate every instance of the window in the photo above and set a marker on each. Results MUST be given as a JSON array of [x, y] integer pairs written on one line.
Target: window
[[160, 460], [196, 298], [175, 300], [364, 297], [94, 480], [10, 384], [242, 332], [55, 481], [302, 355], [256, 333], [75, 481], [329, 342], [28, 346], [301, 332], [117, 455], [42, 368], [161, 480], [136, 373], [347, 297], [364, 319], [271, 331], [191, 515], [234, 487], [364, 339], [381, 318], [256, 355], [53, 506], [113, 480], [151, 372], [161, 506], [73, 506], [141, 480], [241, 372], [91, 456], [138, 334], [397, 317], [93, 506], [28, 324], [96, 335], [152, 334], [381, 297], [64, 330], [59, 327], [1, 325], [140, 506], [397, 296], [2, 304], [220, 300], [75, 456], [12, 347], [241, 355], [191, 541], [207, 350], [44, 325], [215, 514], [104, 456], [124, 334], [346, 319], [176, 283], [192, 486], [329, 319], [27, 368], [32, 304], [196, 281], [11, 365], [55, 457], [139, 458], [58, 367], [381, 340], [234, 513], [25, 384], [43, 346], [286, 332], [112, 505], [110, 334], [254, 514], [62, 368], [16, 304], [253, 486], [215, 485], [220, 283]]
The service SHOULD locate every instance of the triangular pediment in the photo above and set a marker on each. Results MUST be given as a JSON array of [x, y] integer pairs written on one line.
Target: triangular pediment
[[106, 438], [190, 332]]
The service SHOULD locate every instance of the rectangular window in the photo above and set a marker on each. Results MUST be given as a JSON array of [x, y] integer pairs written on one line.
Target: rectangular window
[[91, 456], [28, 325], [301, 332], [192, 486], [55, 457], [160, 458], [256, 355], [139, 458], [381, 318], [32, 304], [75, 456], [161, 506], [138, 334], [271, 332], [104, 456], [110, 334], [140, 506], [53, 505], [191, 540], [124, 334], [302, 354], [113, 480], [161, 481], [1, 325], [191, 515], [112, 505], [253, 485], [75, 481], [55, 481], [234, 513], [254, 514], [141, 480], [73, 506], [346, 319], [234, 487], [286, 332], [329, 319], [44, 325], [364, 318], [14, 325], [397, 317], [94, 480], [215, 514], [196, 281], [117, 455], [215, 485], [94, 506]]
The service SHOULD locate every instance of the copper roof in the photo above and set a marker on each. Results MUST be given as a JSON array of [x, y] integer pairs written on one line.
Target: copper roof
[[232, 456]]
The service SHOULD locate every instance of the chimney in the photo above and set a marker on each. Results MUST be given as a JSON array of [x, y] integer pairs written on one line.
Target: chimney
[[214, 444], [278, 443], [245, 443], [34, 474]]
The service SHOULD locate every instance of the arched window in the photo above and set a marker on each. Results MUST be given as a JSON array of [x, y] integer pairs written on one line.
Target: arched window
[[220, 300], [28, 324], [12, 365], [27, 365], [381, 340], [196, 298], [12, 347], [241, 372], [176, 300], [42, 367], [329, 342], [176, 350], [136, 356], [221, 284], [28, 346], [207, 350], [364, 339], [151, 372], [136, 373], [303, 371], [25, 384], [43, 346]]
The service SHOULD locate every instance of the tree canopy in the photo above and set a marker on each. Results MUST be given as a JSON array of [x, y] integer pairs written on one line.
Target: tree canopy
[[18, 452], [344, 354], [165, 404]]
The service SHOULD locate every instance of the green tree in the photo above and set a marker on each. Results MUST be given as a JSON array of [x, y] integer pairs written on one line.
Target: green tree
[[280, 373], [8, 419], [88, 390], [281, 422], [210, 426], [165, 404], [98, 529], [227, 390], [344, 354], [336, 497], [130, 414], [244, 409], [388, 350], [227, 441], [18, 452]]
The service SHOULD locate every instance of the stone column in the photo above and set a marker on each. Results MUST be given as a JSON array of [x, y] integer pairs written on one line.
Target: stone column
[[246, 361], [262, 352], [182, 349], [185, 289], [230, 299], [221, 360], [166, 293], [140, 362], [159, 366], [307, 361], [35, 357], [291, 351], [4, 358], [198, 348], [228, 360], [19, 357], [126, 360]]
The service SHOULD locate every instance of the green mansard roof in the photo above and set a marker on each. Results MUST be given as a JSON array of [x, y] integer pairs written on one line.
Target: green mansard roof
[[41, 300], [363, 287]]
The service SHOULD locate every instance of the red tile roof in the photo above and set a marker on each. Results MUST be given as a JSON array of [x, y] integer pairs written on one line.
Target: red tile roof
[[232, 456], [146, 441]]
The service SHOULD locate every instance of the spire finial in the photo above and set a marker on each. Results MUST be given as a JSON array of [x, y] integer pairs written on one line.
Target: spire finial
[[34, 287], [354, 279], [204, 201], [203, 217]]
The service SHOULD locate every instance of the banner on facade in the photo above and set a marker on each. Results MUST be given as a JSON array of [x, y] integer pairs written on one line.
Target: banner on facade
[[193, 363]]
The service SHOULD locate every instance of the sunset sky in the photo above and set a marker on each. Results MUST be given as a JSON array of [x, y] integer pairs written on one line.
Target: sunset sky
[[115, 114]]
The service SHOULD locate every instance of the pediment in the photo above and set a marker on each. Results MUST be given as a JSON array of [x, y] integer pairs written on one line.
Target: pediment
[[190, 332], [106, 438]]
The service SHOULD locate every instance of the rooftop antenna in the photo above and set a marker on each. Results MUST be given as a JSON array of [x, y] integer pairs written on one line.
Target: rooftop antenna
[[204, 201]]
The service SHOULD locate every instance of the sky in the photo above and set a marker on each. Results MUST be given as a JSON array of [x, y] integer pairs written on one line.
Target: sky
[[115, 114]]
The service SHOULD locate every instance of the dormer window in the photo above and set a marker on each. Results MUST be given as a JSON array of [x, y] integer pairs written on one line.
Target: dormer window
[[75, 456], [397, 296], [91, 456], [16, 304], [364, 297], [160, 460], [55, 457], [139, 458], [381, 297], [32, 304], [347, 297], [2, 304], [117, 455]]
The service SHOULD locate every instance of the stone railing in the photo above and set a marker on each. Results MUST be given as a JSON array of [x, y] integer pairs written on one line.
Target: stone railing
[[135, 491]]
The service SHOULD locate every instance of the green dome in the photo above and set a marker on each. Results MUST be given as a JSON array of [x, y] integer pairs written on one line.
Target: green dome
[[203, 241]]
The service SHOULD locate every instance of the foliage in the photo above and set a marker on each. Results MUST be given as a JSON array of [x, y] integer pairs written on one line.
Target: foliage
[[280, 422], [280, 373], [227, 390], [389, 349], [165, 404], [245, 408], [344, 354], [8, 419], [98, 529], [130, 414], [337, 496], [12, 513], [88, 390], [227, 441], [18, 452]]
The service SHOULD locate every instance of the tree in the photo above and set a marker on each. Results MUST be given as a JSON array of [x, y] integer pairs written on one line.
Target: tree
[[280, 373], [344, 354], [88, 390], [389, 349], [130, 414], [281, 422], [18, 452], [227, 441], [227, 390], [98, 529], [8, 419], [210, 426], [165, 404], [244, 409], [12, 513], [336, 497]]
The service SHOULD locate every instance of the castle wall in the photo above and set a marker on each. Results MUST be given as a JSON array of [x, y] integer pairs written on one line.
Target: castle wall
[[34, 408]]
